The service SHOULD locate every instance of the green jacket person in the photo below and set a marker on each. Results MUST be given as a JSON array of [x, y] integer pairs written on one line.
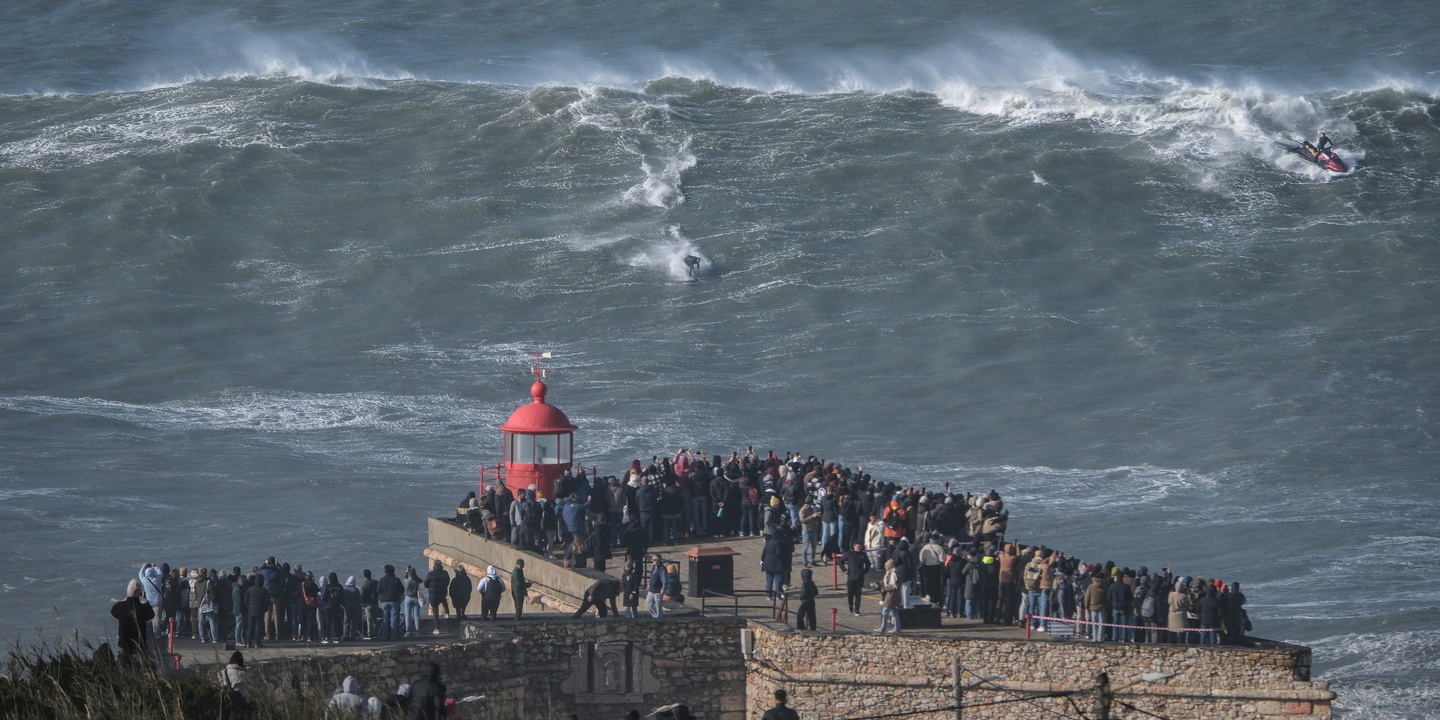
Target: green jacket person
[[518, 586]]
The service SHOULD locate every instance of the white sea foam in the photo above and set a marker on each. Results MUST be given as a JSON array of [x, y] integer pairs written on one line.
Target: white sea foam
[[207, 48], [661, 186], [141, 124], [264, 412], [670, 254]]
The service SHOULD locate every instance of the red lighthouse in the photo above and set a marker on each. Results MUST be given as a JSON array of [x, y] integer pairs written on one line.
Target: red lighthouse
[[537, 444]]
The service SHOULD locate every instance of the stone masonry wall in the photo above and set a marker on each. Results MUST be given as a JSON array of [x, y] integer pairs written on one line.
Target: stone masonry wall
[[593, 668], [853, 676]]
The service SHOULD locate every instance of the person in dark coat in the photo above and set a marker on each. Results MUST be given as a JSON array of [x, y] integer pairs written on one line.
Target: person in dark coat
[[855, 563], [600, 543], [134, 616], [427, 697], [772, 563], [805, 616], [600, 595], [1209, 610], [437, 586], [257, 603], [637, 543], [460, 590], [780, 711]]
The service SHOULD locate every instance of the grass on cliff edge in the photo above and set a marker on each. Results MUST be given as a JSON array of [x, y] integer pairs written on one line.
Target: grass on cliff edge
[[54, 684]]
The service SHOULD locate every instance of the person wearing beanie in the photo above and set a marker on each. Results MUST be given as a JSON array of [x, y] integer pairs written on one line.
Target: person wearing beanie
[[133, 615]]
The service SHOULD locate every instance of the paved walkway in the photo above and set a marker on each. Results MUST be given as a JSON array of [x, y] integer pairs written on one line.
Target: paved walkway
[[750, 587]]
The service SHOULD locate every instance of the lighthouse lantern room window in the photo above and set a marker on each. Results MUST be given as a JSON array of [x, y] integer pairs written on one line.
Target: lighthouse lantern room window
[[544, 449]]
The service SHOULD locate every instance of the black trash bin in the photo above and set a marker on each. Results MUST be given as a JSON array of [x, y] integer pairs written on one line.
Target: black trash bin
[[712, 567]]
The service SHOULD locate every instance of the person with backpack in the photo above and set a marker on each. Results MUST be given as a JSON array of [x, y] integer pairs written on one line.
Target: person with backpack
[[491, 589], [1146, 606], [749, 509], [332, 610]]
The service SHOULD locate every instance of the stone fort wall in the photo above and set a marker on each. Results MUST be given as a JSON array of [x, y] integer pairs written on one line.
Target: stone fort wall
[[550, 669], [603, 668], [855, 676]]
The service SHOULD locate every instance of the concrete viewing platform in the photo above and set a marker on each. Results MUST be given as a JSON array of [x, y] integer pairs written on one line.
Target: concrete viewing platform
[[559, 587]]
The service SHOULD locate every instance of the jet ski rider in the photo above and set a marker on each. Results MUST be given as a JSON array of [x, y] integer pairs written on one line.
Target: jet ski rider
[[1323, 143]]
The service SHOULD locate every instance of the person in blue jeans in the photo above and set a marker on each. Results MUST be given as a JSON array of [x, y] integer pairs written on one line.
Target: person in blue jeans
[[389, 591], [411, 606]]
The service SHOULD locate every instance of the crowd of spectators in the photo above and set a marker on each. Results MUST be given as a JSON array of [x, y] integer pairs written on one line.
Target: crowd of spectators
[[278, 602], [938, 546]]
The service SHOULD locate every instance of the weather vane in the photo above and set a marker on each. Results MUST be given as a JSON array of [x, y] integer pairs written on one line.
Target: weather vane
[[535, 368]]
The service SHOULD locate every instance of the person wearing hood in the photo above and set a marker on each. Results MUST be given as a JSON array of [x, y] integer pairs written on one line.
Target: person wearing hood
[[398, 705], [460, 589], [352, 607], [895, 519], [152, 583], [437, 588], [134, 616], [462, 511], [427, 696], [348, 702], [805, 615], [491, 589], [773, 564]]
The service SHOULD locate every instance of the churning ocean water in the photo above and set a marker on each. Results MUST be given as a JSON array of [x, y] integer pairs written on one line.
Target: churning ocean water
[[269, 272]]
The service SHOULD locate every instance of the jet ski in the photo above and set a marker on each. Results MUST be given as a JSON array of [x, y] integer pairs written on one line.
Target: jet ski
[[1325, 159]]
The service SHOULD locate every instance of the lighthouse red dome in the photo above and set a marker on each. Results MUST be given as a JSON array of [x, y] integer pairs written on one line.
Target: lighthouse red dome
[[538, 416]]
